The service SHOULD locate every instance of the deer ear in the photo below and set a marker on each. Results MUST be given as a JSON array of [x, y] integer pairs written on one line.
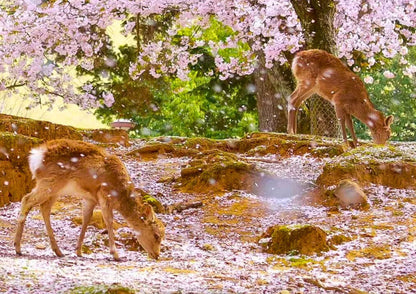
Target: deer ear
[[148, 212], [389, 120]]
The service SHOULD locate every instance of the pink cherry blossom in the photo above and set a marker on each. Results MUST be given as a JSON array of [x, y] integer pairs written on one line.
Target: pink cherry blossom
[[44, 40], [388, 74]]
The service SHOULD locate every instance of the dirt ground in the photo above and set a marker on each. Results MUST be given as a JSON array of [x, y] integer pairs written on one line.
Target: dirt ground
[[215, 248]]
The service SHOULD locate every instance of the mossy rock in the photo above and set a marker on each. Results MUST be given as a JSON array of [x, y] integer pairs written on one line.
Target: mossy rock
[[217, 171], [383, 165], [108, 136], [218, 176], [15, 177], [154, 202], [201, 144], [14, 182], [36, 128], [15, 148], [339, 239], [171, 140], [300, 239], [101, 289], [259, 144], [153, 151], [256, 144]]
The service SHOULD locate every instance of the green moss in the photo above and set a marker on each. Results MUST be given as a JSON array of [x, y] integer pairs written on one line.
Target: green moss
[[154, 202], [101, 289], [374, 251], [201, 143], [303, 239], [374, 154], [300, 261], [339, 239], [393, 166], [8, 137]]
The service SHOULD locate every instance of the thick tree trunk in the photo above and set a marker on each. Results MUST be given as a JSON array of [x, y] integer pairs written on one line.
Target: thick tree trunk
[[273, 86]]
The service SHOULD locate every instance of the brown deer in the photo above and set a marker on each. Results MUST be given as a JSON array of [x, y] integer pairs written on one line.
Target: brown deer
[[68, 167], [318, 72]]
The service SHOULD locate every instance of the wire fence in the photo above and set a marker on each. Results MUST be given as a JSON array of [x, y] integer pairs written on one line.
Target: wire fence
[[323, 118]]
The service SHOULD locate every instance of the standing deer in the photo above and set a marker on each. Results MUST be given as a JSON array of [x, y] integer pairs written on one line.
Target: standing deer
[[318, 72], [68, 167]]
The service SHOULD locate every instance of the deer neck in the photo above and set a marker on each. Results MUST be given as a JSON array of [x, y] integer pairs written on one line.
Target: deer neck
[[370, 116], [129, 209]]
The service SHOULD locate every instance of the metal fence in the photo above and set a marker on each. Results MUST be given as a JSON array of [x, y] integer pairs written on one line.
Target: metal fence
[[323, 118]]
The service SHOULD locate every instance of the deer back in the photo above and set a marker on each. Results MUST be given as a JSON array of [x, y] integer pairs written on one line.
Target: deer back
[[331, 79], [86, 164]]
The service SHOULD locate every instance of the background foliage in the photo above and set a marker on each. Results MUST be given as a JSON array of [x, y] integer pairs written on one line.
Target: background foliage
[[395, 96], [204, 105], [210, 107]]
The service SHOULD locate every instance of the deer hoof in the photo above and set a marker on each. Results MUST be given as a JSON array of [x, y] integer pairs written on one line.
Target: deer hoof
[[116, 257], [58, 253]]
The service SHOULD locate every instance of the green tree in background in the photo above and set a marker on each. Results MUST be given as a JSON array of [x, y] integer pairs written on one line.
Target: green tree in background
[[203, 105], [395, 96]]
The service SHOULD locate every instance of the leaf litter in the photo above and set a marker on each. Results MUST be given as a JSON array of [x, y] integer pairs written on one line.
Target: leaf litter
[[214, 249]]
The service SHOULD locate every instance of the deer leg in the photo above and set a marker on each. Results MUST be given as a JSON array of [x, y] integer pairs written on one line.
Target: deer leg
[[87, 211], [341, 116], [107, 211], [301, 93], [46, 213], [350, 126], [35, 197], [28, 201]]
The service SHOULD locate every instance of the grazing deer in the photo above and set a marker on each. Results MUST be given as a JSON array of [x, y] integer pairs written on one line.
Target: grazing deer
[[318, 72], [68, 167]]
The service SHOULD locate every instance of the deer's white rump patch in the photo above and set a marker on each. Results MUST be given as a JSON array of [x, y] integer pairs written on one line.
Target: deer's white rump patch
[[36, 159]]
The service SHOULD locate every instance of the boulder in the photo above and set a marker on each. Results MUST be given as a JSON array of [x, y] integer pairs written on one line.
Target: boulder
[[153, 151], [37, 128], [350, 194], [96, 221], [384, 165], [14, 183], [300, 239], [108, 136], [218, 171], [285, 145], [256, 144], [15, 177]]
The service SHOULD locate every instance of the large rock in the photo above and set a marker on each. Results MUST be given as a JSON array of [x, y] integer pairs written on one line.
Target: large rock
[[256, 144], [288, 145], [153, 151], [15, 177], [218, 171], [384, 165], [37, 128], [108, 136], [350, 194], [302, 239]]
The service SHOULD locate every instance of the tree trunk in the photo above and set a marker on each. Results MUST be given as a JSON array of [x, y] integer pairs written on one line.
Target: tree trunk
[[273, 86]]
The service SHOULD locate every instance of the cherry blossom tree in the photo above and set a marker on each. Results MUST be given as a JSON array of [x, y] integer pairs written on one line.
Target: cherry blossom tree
[[43, 41]]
